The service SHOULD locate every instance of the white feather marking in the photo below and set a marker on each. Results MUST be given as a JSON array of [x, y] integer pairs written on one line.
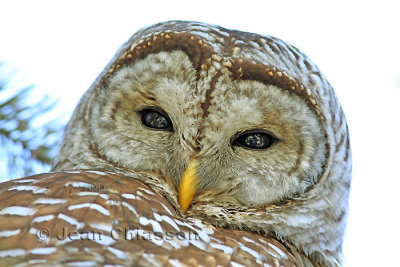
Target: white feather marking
[[170, 221], [35, 261], [102, 226], [85, 193], [113, 202], [49, 201], [43, 218], [17, 210], [248, 239], [195, 241], [130, 207], [183, 223], [139, 193], [71, 249], [283, 255], [174, 244], [18, 252], [104, 196], [149, 257], [235, 264], [34, 189], [147, 191], [254, 253], [175, 263], [8, 233], [79, 184], [180, 239], [156, 226], [119, 253], [43, 251], [157, 216], [128, 196], [205, 228], [216, 240], [33, 231], [104, 240], [273, 254], [166, 208], [225, 249], [24, 181], [97, 172], [143, 221], [94, 206], [72, 221], [82, 263], [202, 234]]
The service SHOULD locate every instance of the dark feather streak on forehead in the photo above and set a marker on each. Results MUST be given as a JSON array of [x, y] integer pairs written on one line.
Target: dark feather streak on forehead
[[245, 70], [202, 56], [197, 51]]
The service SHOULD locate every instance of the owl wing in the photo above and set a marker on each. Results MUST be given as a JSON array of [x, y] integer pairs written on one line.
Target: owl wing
[[91, 218]]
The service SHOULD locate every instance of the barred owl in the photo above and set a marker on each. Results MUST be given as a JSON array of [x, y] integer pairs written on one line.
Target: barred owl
[[234, 135]]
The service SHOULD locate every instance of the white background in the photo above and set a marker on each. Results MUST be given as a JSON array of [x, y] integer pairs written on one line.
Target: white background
[[61, 46]]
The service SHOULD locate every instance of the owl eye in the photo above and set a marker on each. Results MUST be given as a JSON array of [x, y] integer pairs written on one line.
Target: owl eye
[[155, 119], [254, 140]]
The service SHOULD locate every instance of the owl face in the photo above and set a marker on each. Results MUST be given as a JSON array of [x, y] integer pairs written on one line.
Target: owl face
[[255, 142], [247, 121]]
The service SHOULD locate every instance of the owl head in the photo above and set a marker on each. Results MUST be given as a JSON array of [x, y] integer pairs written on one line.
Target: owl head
[[244, 130]]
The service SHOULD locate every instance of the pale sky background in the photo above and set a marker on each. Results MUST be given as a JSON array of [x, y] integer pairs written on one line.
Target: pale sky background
[[61, 46]]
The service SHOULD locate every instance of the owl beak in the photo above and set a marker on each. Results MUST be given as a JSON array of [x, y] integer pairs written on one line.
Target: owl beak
[[188, 186]]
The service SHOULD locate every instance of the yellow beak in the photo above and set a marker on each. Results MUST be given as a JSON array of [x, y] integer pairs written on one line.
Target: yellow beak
[[188, 186]]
